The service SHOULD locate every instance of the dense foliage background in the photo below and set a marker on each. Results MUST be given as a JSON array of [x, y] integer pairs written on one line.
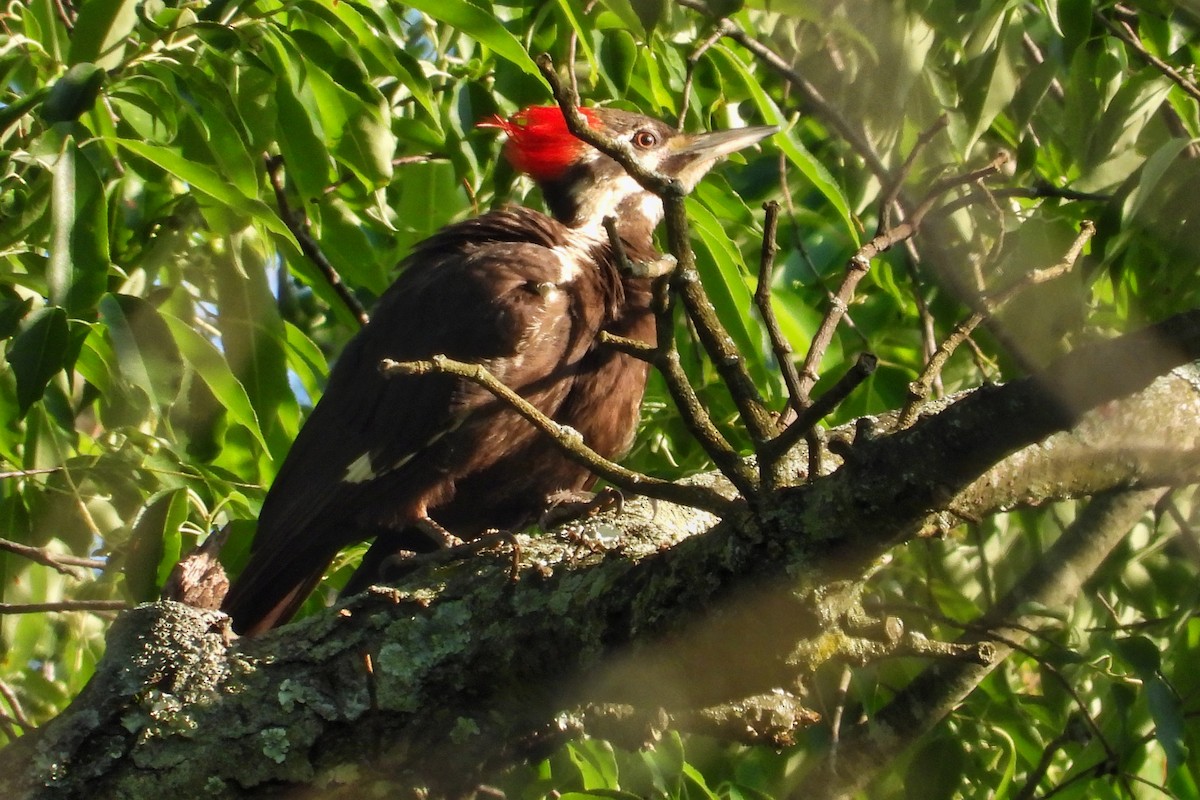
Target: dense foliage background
[[166, 163]]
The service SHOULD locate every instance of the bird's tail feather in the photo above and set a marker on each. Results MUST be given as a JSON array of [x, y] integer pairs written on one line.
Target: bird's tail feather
[[273, 586]]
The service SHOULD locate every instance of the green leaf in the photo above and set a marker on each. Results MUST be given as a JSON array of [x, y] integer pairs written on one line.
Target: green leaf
[[795, 152], [204, 179], [100, 31], [367, 146], [77, 271], [13, 308], [723, 274], [396, 63], [596, 762], [39, 353], [307, 361], [1141, 653], [73, 94], [480, 24], [697, 786], [155, 544], [146, 354], [935, 770], [1170, 722], [649, 13], [11, 113], [430, 197], [303, 151], [253, 336], [581, 34], [203, 356]]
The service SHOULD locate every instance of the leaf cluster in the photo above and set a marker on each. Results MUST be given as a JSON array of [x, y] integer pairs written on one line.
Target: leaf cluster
[[165, 333]]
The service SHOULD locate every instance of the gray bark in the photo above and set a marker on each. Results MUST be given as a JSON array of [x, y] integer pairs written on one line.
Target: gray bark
[[679, 618]]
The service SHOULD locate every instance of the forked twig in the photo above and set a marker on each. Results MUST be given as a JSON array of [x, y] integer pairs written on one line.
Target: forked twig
[[568, 439], [716, 341], [988, 304], [762, 299], [860, 263], [824, 405]]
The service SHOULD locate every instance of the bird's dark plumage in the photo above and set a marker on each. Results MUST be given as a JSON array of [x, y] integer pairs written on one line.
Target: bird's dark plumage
[[522, 293]]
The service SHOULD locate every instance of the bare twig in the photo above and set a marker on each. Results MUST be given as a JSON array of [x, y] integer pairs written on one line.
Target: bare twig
[[1123, 31], [896, 183], [65, 605], [860, 263], [692, 60], [824, 405], [713, 337], [762, 298], [297, 223], [16, 712], [62, 563], [630, 347], [1035, 53], [989, 303], [568, 439], [21, 473]]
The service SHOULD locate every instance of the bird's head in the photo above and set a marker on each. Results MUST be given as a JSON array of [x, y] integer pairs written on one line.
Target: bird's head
[[582, 186]]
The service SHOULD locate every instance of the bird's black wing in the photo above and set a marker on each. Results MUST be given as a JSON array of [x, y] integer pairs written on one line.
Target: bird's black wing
[[363, 451]]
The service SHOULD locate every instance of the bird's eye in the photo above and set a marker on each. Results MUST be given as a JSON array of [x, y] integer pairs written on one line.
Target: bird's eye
[[645, 139]]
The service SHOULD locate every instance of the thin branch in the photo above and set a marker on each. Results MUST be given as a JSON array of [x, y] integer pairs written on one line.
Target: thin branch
[[1035, 53], [297, 223], [17, 713], [860, 263], [919, 390], [64, 564], [65, 605], [824, 405], [1038, 191], [892, 195], [716, 341], [693, 60], [762, 299], [567, 438], [1125, 33]]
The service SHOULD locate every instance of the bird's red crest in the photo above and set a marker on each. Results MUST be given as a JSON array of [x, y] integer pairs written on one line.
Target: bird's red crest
[[539, 143]]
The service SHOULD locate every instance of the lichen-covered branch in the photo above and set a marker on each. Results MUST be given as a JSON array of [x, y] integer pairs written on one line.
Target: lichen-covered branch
[[1059, 576], [460, 670]]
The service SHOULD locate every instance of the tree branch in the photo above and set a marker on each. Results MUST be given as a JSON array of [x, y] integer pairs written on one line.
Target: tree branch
[[717, 342], [568, 439], [1056, 578], [174, 708], [297, 223]]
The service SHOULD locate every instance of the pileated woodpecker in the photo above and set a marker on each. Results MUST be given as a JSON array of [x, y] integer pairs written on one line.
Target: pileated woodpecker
[[520, 292]]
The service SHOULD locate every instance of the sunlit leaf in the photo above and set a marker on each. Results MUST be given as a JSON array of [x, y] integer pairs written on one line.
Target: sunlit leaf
[[155, 544], [482, 25], [208, 362], [37, 354], [100, 30]]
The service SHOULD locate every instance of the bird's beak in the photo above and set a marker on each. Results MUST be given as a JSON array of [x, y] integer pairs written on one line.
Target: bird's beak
[[697, 153]]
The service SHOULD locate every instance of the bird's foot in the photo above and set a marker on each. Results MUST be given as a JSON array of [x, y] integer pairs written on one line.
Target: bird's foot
[[439, 536], [571, 506], [404, 562]]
